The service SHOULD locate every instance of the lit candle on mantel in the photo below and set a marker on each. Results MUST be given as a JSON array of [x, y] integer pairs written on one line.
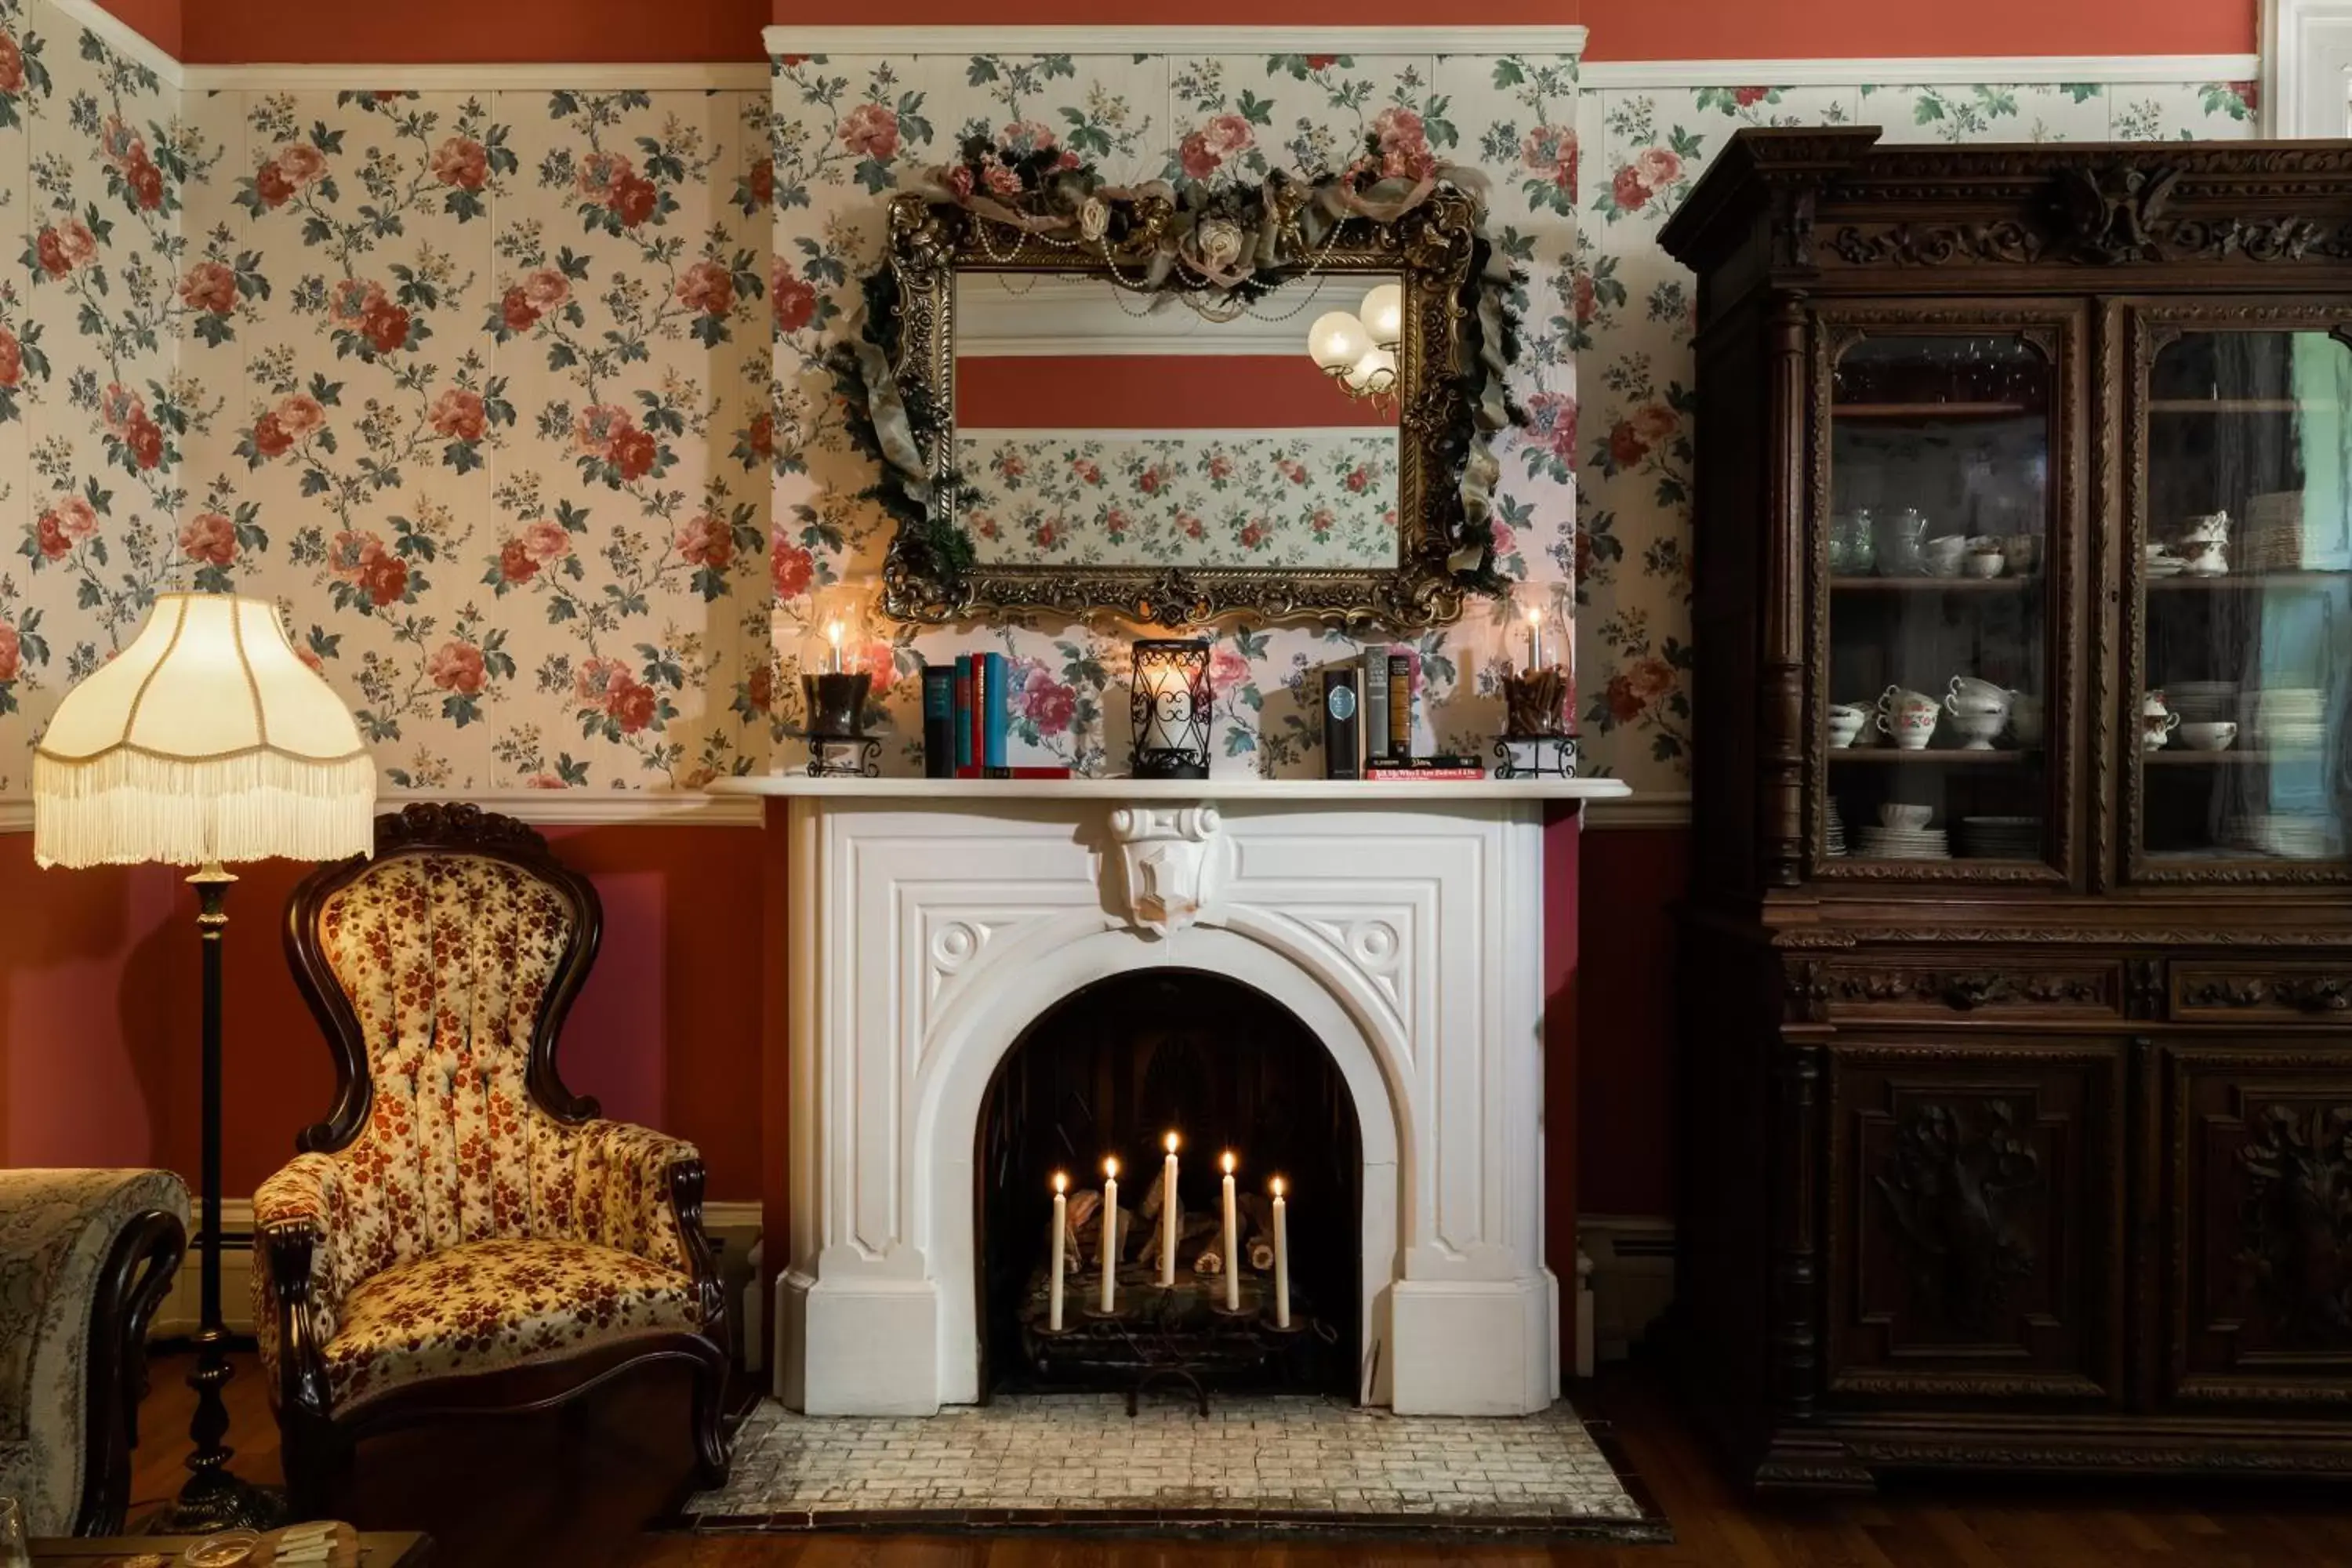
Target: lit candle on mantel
[[1061, 1225], [1110, 1236], [1233, 1242], [1281, 1257], [833, 636], [1167, 1218], [1535, 638]]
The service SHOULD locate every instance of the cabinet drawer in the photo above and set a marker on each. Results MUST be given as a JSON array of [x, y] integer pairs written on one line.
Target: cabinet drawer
[[2307, 993], [2089, 989]]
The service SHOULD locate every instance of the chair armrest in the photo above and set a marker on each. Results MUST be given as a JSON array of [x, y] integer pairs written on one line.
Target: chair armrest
[[298, 1282], [634, 1190], [136, 1278]]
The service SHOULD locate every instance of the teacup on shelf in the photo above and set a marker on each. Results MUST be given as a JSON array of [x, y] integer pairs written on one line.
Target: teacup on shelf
[[2213, 736], [1967, 694], [2024, 719], [1944, 555], [1845, 723], [1986, 563], [1906, 818], [1911, 727], [2213, 528], [1977, 730], [2023, 552], [2211, 559], [1895, 697]]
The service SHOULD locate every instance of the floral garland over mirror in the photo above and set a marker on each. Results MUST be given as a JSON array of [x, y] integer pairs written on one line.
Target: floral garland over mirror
[[1046, 210]]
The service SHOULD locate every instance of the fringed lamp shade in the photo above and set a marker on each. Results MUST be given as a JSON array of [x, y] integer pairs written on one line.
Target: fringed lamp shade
[[207, 740]]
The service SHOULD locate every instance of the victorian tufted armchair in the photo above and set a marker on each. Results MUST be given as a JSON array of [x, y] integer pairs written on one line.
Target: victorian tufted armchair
[[462, 1234], [86, 1257]]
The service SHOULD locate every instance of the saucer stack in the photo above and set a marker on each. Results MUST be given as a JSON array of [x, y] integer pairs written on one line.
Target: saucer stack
[[2000, 837], [2287, 718], [1834, 829], [1905, 843], [2290, 836], [2203, 701]]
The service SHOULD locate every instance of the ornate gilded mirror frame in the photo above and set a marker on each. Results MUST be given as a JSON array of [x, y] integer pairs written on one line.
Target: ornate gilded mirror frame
[[1459, 339]]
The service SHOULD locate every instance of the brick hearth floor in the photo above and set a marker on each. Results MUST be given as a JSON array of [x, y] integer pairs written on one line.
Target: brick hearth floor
[[1080, 1453]]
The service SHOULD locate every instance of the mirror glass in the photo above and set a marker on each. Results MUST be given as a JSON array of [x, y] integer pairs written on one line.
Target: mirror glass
[[1100, 426]]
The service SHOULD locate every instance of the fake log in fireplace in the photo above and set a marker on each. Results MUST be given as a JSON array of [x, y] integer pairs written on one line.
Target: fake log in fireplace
[[1107, 1073]]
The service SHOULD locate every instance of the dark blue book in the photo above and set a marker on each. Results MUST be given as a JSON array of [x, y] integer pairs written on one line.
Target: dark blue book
[[995, 715], [938, 721], [963, 685]]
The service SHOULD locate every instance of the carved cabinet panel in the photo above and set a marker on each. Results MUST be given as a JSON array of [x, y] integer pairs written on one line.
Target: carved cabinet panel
[[2260, 1177], [1975, 1193], [2001, 986], [2265, 993]]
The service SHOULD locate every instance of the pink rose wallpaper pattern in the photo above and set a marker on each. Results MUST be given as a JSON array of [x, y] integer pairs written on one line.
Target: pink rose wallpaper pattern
[[510, 398], [1324, 498]]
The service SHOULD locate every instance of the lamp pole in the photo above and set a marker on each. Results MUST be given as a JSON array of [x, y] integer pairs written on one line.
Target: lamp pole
[[213, 1497]]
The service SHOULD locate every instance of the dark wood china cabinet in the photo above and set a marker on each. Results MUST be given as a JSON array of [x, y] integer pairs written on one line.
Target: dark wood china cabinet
[[2017, 1061]]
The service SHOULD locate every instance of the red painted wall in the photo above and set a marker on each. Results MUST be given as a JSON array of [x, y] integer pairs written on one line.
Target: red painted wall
[[1628, 881], [216, 32], [159, 21], [98, 988]]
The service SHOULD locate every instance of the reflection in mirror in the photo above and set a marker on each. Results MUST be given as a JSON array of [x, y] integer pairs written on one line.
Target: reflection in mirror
[[1101, 427]]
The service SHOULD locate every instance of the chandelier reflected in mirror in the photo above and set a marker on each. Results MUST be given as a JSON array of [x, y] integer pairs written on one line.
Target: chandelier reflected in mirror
[[1358, 349]]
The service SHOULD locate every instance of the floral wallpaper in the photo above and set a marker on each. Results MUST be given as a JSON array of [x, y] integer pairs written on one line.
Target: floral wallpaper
[[512, 399], [1629, 319], [1316, 498], [848, 128]]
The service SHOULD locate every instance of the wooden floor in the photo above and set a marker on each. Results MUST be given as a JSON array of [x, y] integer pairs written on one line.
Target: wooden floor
[[576, 1493]]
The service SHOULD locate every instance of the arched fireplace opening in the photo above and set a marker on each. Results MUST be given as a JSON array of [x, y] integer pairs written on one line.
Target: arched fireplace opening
[[1109, 1071]]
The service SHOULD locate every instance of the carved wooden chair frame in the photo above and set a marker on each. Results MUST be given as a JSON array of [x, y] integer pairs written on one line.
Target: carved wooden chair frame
[[317, 1442]]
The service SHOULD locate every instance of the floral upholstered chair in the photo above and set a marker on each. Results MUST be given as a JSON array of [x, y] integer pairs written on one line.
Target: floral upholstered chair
[[462, 1234], [86, 1257]]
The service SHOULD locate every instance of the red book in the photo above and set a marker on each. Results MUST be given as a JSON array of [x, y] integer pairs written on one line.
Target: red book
[[1427, 775], [970, 772], [966, 715]]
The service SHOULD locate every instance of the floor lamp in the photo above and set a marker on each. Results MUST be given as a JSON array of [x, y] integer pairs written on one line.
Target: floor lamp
[[205, 742]]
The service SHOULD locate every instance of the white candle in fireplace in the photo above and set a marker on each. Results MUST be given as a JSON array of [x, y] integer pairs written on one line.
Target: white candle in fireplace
[[1061, 1225], [1281, 1258], [1110, 1236], [1233, 1242], [1168, 1217]]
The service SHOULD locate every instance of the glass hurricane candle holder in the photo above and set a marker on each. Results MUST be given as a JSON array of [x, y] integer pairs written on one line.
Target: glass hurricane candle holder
[[1171, 704]]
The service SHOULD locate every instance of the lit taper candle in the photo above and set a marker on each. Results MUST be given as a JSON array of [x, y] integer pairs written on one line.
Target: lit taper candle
[[1233, 1242], [1061, 1225], [1168, 1217], [1111, 1235], [1281, 1258]]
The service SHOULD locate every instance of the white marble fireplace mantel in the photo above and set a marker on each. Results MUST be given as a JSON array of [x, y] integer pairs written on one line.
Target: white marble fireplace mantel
[[931, 922]]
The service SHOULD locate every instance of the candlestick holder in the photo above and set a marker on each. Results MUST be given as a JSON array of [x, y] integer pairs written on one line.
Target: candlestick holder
[[1536, 742], [839, 746], [1171, 704]]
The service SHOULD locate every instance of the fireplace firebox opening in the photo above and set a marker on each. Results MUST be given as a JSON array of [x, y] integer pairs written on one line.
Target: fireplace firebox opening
[[1107, 1072]]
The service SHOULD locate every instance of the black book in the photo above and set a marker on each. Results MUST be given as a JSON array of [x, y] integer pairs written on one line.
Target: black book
[[1342, 742], [939, 721]]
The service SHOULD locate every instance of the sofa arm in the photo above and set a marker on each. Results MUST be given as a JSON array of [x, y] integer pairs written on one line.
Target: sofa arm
[[298, 1280], [634, 1190]]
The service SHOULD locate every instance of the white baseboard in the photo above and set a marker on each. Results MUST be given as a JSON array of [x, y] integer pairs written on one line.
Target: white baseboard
[[738, 1222], [1632, 1276]]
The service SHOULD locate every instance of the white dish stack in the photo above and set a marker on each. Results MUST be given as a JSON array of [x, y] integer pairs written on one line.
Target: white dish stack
[[2000, 837], [1834, 830], [2203, 701], [1901, 833]]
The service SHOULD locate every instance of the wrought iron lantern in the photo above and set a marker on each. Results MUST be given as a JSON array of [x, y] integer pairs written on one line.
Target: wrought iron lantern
[[1170, 705]]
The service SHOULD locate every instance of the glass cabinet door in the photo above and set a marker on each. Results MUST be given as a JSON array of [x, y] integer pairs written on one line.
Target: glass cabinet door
[[1943, 555], [2241, 567]]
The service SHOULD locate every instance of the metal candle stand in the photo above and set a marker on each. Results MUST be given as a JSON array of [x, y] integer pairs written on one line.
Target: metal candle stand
[[838, 745], [1533, 744], [1180, 1334]]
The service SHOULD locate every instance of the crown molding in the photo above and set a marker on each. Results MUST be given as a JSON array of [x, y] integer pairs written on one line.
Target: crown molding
[[122, 37], [716, 76], [549, 807], [795, 40], [1647, 808], [1920, 70]]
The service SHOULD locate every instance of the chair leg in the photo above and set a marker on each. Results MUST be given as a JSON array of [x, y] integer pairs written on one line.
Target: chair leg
[[712, 1447]]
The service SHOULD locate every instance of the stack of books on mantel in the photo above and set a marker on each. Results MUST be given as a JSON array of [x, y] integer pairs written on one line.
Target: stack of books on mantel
[[1368, 708], [967, 713]]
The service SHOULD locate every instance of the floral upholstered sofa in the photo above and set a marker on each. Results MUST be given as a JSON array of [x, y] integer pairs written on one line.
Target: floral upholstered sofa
[[86, 1257], [462, 1234]]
